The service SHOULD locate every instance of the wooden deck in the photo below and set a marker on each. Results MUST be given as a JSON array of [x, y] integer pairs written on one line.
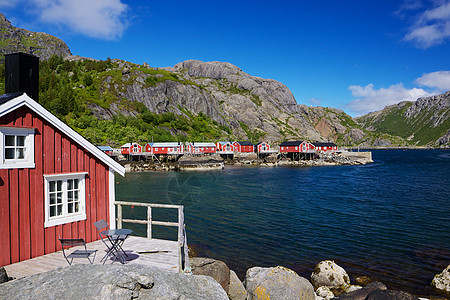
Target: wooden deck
[[140, 251]]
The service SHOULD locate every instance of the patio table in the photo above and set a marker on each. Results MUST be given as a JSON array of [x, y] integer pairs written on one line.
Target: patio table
[[116, 243]]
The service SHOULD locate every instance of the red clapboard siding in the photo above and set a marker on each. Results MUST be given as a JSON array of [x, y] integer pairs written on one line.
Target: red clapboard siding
[[49, 168], [93, 196], [14, 214], [5, 241], [37, 191], [89, 219]]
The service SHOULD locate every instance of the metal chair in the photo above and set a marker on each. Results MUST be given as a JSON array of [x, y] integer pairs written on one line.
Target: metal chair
[[103, 225], [79, 253]]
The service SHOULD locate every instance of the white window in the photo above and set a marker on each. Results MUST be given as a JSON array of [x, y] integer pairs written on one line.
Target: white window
[[64, 198], [16, 147]]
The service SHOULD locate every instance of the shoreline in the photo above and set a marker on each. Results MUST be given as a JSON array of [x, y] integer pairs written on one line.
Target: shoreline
[[216, 162]]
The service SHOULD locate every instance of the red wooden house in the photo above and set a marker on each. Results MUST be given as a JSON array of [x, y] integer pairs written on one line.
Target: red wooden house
[[53, 182], [131, 148], [325, 147], [164, 148], [243, 147], [201, 148], [296, 147], [107, 149], [262, 147], [225, 147]]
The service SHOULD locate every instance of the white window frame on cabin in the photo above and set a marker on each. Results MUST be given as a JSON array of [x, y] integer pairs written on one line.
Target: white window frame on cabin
[[22, 147], [64, 203]]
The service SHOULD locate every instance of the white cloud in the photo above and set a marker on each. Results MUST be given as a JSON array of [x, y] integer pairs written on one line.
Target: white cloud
[[370, 99], [104, 19], [439, 80], [315, 101], [432, 27], [6, 4]]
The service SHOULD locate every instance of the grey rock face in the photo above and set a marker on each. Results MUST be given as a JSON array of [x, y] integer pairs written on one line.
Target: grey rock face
[[111, 282], [210, 267], [277, 283], [223, 92]]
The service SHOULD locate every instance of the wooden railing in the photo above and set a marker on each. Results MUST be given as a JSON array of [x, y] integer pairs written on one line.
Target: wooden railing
[[182, 238]]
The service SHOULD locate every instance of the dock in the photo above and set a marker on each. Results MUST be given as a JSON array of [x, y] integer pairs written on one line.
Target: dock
[[162, 254]]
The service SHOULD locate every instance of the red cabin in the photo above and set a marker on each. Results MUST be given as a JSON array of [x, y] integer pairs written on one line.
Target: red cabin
[[201, 148], [243, 147], [225, 147], [296, 147], [53, 182], [164, 148], [131, 148], [325, 147], [262, 147], [106, 149]]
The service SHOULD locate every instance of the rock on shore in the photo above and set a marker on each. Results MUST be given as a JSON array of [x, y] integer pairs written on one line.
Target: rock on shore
[[112, 282], [442, 281], [277, 283]]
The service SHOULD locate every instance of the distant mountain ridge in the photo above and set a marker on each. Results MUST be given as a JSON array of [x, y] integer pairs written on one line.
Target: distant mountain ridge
[[43, 45], [425, 122], [236, 105]]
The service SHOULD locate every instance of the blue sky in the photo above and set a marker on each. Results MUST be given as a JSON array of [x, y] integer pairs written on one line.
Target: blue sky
[[354, 55]]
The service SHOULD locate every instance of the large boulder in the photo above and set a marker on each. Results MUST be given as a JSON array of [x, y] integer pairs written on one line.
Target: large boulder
[[236, 290], [112, 282], [442, 280], [211, 267], [328, 273], [277, 283]]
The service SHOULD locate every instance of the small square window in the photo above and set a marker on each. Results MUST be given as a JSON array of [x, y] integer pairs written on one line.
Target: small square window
[[16, 147]]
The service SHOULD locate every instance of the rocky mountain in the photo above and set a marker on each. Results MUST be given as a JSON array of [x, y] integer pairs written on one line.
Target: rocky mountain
[[425, 122], [248, 105], [43, 45]]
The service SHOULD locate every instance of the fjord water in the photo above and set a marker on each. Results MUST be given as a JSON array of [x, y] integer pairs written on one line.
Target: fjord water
[[389, 220]]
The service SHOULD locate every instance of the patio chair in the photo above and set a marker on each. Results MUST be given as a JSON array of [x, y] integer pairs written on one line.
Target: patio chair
[[103, 225], [78, 253]]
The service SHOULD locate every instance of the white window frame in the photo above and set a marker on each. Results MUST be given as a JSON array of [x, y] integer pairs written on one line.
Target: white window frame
[[28, 160], [66, 217]]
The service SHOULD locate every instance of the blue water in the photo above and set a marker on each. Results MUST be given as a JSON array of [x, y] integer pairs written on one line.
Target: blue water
[[388, 220]]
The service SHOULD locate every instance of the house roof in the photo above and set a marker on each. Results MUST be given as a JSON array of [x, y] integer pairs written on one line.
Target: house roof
[[11, 102], [290, 143], [128, 145], [195, 144], [324, 144], [261, 143], [165, 144], [244, 143], [105, 148], [224, 143]]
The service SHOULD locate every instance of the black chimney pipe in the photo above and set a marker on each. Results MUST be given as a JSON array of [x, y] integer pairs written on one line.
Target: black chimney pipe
[[22, 74]]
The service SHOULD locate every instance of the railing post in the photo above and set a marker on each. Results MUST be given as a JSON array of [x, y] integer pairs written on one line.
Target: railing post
[[180, 238], [149, 224], [119, 216]]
